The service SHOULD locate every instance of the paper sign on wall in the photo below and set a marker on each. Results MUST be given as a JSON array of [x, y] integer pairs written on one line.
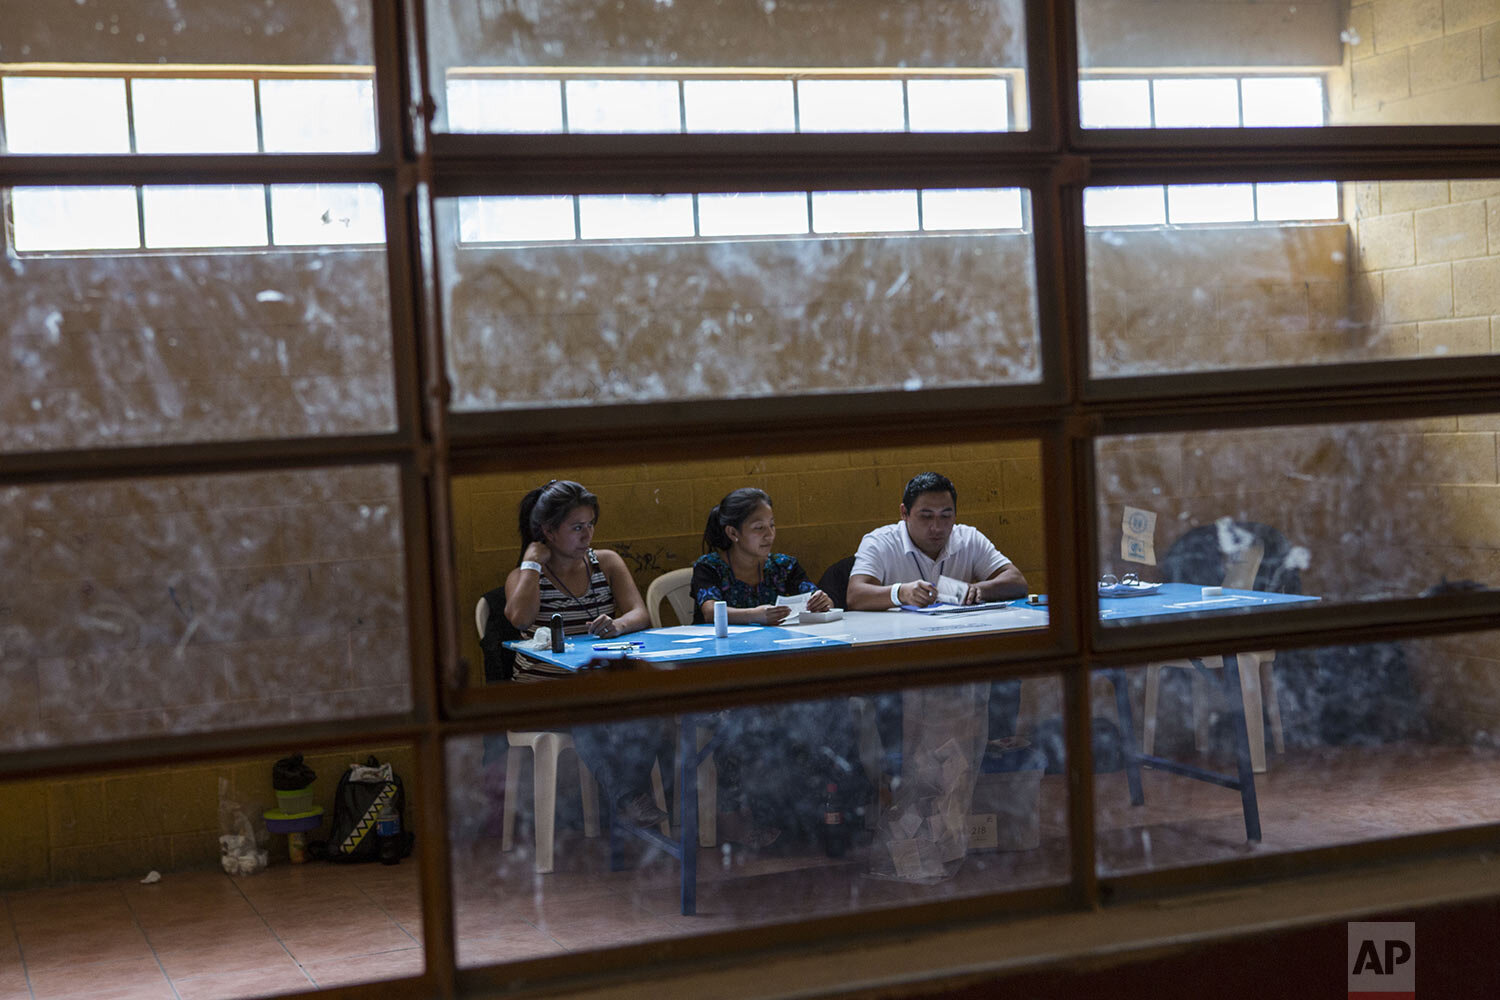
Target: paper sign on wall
[[1138, 536]]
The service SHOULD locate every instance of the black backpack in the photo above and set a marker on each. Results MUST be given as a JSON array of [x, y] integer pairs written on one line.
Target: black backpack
[[353, 834]]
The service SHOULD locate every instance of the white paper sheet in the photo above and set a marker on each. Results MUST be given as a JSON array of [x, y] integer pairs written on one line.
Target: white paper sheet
[[668, 654], [701, 631], [797, 602], [951, 591]]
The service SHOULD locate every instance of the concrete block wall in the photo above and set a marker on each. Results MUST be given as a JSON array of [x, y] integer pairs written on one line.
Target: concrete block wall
[[654, 514], [593, 324], [1185, 299], [167, 819], [112, 350], [1427, 280], [1427, 270], [1372, 503], [1419, 62], [1425, 283]]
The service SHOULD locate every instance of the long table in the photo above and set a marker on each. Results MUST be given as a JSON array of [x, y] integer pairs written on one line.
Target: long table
[[682, 644]]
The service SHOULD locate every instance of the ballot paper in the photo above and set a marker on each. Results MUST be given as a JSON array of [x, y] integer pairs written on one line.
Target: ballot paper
[[951, 591], [797, 602]]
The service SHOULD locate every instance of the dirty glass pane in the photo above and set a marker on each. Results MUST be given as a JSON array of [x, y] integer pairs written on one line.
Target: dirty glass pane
[[189, 604], [212, 918], [201, 76], [605, 298], [1337, 512], [1340, 744], [1324, 62], [809, 809], [1202, 277], [107, 349], [648, 66]]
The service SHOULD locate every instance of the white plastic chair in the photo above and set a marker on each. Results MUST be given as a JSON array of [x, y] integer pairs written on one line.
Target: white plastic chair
[[1257, 685], [674, 587], [546, 747]]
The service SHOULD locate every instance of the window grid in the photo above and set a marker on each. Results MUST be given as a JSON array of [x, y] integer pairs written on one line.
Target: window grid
[[127, 82], [796, 82], [1066, 450], [468, 209]]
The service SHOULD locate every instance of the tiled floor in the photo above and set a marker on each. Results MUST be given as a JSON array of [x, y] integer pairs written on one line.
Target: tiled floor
[[197, 935], [295, 928]]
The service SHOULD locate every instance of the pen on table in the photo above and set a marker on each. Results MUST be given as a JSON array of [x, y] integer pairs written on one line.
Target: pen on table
[[629, 644]]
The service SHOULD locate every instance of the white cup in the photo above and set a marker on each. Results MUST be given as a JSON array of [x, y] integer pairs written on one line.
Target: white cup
[[721, 620]]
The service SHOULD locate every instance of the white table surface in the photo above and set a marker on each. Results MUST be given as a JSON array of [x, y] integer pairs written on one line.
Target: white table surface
[[865, 627]]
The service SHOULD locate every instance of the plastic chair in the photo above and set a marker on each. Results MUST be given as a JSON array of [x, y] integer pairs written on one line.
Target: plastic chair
[[546, 747], [835, 581], [672, 587], [1257, 560]]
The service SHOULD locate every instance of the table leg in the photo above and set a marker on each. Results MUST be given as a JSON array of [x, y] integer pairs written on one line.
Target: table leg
[[616, 836], [1127, 736], [687, 781], [1242, 745]]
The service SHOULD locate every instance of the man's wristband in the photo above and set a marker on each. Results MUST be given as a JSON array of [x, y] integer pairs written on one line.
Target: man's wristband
[[532, 564], [896, 595]]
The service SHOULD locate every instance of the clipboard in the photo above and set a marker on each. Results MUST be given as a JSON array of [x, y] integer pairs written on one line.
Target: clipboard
[[955, 609]]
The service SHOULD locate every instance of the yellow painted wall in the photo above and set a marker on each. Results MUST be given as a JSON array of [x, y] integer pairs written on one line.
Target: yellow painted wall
[[167, 819], [654, 514]]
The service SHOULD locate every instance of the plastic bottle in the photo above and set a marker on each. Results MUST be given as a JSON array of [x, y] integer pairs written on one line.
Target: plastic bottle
[[721, 620], [835, 834], [558, 639], [388, 832]]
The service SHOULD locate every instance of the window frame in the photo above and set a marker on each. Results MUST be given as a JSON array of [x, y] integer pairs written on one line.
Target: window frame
[[1066, 412], [128, 74]]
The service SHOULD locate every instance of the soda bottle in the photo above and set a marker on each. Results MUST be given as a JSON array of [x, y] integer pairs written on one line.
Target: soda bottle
[[835, 834]]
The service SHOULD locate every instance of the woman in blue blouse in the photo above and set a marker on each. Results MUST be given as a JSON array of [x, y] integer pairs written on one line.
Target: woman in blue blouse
[[741, 570], [774, 762]]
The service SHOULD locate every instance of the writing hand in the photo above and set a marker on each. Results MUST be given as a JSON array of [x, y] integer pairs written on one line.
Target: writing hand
[[921, 593], [819, 601], [604, 625], [537, 552], [771, 614]]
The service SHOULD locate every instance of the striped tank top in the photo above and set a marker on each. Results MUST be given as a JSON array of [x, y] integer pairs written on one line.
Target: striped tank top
[[577, 611]]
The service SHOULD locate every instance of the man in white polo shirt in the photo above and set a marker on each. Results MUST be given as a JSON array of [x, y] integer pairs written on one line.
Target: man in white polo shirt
[[901, 563]]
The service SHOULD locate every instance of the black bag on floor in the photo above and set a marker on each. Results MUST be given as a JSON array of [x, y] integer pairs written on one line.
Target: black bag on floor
[[369, 817]]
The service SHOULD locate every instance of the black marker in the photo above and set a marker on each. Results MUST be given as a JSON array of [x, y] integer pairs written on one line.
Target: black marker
[[557, 633]]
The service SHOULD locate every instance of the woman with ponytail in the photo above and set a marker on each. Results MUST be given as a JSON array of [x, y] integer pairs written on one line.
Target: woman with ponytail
[[562, 573], [774, 762], [740, 568]]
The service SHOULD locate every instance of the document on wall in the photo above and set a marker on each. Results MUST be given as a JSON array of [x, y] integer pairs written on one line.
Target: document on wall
[[1138, 536]]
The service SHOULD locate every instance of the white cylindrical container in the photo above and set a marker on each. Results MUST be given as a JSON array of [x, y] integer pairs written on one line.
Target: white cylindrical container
[[721, 620]]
